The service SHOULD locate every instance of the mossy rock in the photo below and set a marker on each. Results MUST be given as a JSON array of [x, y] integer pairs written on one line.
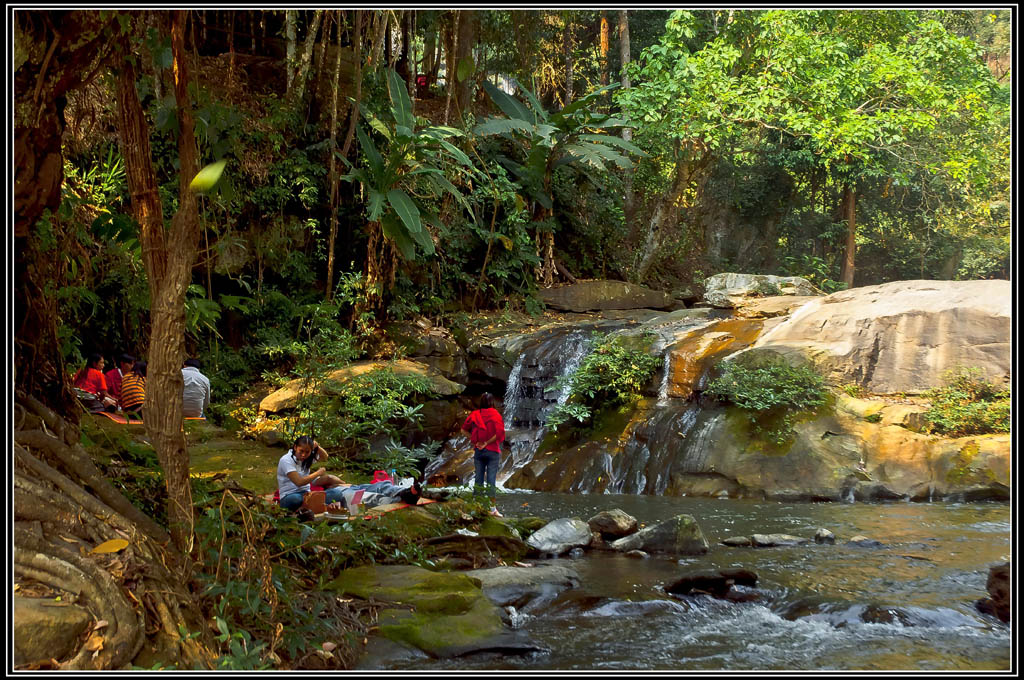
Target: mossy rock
[[450, 614], [493, 526], [527, 525], [409, 523]]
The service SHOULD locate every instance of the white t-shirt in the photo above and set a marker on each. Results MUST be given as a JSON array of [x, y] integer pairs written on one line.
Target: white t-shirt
[[288, 463], [197, 392]]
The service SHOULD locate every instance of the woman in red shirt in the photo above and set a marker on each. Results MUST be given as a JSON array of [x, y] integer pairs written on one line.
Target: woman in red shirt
[[486, 432], [91, 379]]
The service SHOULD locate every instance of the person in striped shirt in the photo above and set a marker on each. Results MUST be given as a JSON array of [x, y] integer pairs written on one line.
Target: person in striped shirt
[[133, 389]]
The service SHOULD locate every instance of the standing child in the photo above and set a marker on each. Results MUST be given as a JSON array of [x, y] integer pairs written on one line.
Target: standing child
[[486, 432]]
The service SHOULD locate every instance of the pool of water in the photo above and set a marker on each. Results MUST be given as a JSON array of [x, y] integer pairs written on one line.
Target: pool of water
[[908, 605]]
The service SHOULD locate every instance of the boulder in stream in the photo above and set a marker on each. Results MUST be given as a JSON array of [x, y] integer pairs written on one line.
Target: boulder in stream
[[998, 602], [560, 536], [679, 535], [521, 587], [824, 536], [613, 523], [776, 540], [715, 582], [864, 542]]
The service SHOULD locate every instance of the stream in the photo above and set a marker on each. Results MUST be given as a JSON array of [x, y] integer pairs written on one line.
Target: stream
[[906, 605]]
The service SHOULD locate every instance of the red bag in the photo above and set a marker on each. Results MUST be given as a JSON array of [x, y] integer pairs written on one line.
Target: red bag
[[381, 476]]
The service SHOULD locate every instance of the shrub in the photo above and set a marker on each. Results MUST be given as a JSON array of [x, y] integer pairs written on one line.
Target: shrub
[[612, 374], [769, 390], [967, 405]]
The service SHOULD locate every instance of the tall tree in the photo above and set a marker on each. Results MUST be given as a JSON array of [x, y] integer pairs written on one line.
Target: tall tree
[[168, 254]]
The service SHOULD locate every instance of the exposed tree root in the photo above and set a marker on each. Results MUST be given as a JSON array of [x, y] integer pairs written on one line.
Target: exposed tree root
[[138, 589]]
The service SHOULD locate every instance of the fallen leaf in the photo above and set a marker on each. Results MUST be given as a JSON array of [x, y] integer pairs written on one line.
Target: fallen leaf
[[111, 546], [323, 655], [329, 646], [69, 540], [94, 643], [102, 623]]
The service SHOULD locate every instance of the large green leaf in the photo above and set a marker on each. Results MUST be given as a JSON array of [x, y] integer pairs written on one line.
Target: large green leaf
[[615, 141], [503, 126], [372, 155], [375, 122], [406, 209], [401, 105], [422, 238], [587, 154], [396, 233], [509, 105], [375, 204], [457, 153]]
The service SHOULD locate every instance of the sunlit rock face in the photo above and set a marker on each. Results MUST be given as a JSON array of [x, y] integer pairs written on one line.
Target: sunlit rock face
[[902, 336], [693, 357]]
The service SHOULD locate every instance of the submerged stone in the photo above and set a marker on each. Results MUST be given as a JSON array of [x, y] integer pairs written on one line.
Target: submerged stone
[[776, 540]]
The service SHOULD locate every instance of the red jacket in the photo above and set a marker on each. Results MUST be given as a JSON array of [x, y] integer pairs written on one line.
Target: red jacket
[[483, 424]]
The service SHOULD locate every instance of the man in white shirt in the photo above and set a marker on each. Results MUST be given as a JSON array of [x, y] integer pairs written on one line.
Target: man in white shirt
[[197, 390]]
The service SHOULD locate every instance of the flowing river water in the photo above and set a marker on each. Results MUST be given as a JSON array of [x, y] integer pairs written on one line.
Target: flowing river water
[[908, 605]]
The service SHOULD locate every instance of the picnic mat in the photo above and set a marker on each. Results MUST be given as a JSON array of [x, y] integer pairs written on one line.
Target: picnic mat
[[118, 418]]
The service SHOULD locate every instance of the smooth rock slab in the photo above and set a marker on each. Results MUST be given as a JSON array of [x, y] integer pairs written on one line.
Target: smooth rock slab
[[45, 629], [679, 535], [776, 540], [588, 296], [737, 541], [560, 536]]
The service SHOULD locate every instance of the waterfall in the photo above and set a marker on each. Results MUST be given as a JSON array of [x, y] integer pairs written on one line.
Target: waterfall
[[665, 370], [513, 391]]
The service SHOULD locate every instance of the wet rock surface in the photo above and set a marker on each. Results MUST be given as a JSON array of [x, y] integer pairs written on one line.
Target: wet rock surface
[[998, 585], [560, 536], [612, 524], [45, 629], [679, 535]]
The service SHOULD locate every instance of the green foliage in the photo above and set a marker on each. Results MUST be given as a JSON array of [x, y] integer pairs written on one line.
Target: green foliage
[[613, 373], [403, 461], [967, 405], [815, 270], [769, 391], [410, 168], [873, 417]]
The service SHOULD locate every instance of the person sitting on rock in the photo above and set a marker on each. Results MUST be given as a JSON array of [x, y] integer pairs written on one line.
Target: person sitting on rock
[[133, 390], [294, 475], [91, 381]]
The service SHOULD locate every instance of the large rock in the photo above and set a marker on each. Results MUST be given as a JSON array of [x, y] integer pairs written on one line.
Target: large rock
[[450, 615], [902, 336], [523, 587], [716, 582], [45, 629], [732, 290], [679, 536], [612, 523], [287, 397], [597, 295], [998, 585], [560, 536]]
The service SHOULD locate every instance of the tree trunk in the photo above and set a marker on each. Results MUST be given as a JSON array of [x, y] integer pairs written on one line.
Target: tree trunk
[[850, 202], [332, 173], [605, 39], [302, 77], [451, 45], [567, 53], [357, 53], [289, 31], [629, 201], [64, 50], [168, 256], [464, 50]]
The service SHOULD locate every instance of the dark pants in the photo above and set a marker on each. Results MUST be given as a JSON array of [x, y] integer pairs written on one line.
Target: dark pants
[[486, 463]]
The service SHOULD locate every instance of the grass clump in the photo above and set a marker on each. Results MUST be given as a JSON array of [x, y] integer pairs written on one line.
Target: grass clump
[[769, 391], [967, 405]]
